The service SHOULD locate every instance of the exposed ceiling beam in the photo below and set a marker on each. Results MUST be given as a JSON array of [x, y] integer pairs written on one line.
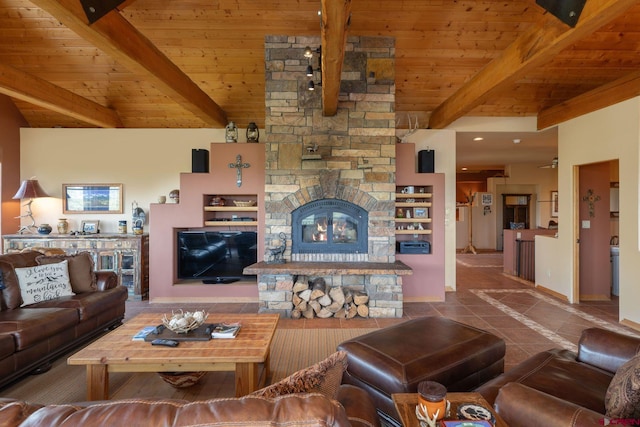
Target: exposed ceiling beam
[[114, 35], [611, 93], [333, 33], [536, 46], [26, 87]]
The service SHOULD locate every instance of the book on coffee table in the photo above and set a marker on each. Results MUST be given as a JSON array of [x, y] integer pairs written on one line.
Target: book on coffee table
[[142, 333], [225, 330]]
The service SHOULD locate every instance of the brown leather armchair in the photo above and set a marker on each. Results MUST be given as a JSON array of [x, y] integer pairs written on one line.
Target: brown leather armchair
[[561, 388]]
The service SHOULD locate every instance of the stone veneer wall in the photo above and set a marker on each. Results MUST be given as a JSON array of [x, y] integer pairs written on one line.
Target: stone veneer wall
[[356, 163]]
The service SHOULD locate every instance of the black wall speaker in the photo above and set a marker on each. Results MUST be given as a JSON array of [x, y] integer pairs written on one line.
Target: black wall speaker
[[426, 161], [199, 160], [568, 11], [96, 9]]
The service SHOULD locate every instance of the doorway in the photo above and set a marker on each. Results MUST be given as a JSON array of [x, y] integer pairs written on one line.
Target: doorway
[[515, 211], [594, 231]]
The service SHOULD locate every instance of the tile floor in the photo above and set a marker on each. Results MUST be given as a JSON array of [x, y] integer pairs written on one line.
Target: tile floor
[[528, 320]]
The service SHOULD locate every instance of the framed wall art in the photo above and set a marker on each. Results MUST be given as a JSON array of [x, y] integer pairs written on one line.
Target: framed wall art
[[92, 198]]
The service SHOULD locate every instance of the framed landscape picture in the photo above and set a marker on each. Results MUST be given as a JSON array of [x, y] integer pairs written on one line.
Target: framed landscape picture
[[91, 198]]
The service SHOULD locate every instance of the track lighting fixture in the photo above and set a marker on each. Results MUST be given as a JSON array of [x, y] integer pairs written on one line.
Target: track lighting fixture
[[308, 53]]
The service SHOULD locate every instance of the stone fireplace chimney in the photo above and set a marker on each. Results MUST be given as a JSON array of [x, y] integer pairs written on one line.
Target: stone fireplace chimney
[[354, 157], [346, 161]]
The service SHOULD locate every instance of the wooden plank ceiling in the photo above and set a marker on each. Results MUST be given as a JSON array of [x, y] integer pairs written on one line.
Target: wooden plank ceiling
[[197, 63]]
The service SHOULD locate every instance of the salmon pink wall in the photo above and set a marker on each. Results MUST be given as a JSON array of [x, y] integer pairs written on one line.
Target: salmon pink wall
[[195, 189], [427, 283]]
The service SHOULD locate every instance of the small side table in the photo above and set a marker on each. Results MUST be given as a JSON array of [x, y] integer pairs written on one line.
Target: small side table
[[406, 406]]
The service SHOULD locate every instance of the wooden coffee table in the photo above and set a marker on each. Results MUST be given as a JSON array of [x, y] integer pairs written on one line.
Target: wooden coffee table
[[406, 406], [116, 352]]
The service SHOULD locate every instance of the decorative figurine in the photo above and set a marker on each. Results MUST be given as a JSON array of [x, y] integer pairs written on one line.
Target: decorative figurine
[[253, 134], [231, 132], [275, 255]]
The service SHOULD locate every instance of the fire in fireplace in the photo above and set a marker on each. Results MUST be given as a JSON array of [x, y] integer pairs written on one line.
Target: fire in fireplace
[[329, 226]]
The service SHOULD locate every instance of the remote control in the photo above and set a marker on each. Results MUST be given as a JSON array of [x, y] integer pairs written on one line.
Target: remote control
[[167, 343]]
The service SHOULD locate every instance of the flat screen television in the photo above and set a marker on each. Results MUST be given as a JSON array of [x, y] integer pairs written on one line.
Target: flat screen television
[[216, 256]]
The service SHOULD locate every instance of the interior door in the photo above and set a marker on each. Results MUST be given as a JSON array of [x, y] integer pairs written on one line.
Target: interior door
[[594, 232]]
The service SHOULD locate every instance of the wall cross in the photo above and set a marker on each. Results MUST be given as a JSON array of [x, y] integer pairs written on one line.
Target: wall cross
[[239, 165]]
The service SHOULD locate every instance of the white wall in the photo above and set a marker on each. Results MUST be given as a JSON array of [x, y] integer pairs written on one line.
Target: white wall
[[607, 134], [147, 162], [443, 142]]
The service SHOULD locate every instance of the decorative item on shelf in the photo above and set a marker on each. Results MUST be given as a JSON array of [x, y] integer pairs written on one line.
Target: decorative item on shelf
[[90, 227], [122, 226], [139, 218], [29, 189], [182, 322], [174, 195], [244, 204], [44, 229], [253, 134], [63, 226], [217, 201], [275, 254], [231, 132], [162, 199], [432, 403]]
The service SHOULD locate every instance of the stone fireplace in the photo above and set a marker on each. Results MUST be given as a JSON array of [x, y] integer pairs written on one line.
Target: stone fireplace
[[347, 160]]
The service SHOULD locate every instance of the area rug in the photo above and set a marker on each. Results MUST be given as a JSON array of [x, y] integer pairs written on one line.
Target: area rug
[[291, 350]]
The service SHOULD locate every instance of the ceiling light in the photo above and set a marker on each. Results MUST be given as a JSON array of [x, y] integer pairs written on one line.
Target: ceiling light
[[516, 141], [478, 138], [308, 53], [464, 168]]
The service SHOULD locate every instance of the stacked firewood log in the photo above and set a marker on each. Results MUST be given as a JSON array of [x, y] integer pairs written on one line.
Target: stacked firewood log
[[315, 298]]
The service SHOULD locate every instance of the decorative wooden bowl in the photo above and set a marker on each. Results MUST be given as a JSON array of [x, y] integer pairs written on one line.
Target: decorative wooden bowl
[[182, 379], [182, 322], [243, 204]]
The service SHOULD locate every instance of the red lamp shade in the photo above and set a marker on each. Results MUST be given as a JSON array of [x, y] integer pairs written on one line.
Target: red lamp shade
[[30, 189]]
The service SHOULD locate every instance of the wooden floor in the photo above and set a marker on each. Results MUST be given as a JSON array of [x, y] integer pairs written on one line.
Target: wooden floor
[[529, 321]]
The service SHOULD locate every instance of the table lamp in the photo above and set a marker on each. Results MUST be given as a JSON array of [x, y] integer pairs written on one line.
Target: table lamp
[[29, 189]]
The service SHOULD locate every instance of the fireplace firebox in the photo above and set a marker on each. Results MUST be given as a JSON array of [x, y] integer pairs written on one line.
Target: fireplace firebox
[[329, 226]]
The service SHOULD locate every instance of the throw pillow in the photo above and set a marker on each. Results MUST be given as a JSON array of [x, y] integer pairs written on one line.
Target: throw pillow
[[44, 282], [80, 270], [623, 395], [324, 377]]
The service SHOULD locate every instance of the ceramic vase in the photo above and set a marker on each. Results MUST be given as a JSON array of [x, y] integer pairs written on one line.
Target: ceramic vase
[[63, 226], [44, 229]]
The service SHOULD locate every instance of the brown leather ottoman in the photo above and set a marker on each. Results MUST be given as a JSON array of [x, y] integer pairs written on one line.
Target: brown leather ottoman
[[395, 359]]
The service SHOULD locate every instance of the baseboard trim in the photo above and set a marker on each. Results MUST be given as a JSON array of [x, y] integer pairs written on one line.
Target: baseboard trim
[[552, 293], [631, 324]]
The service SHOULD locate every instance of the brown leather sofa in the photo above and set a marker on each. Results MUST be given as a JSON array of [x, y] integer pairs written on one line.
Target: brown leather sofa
[[353, 407], [33, 335], [561, 388]]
